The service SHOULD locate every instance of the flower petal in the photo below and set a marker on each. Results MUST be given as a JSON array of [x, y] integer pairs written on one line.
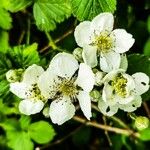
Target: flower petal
[[32, 74], [123, 40], [82, 33], [30, 106], [85, 103], [124, 62], [47, 83], [133, 105], [125, 100], [110, 61], [141, 83], [64, 65], [106, 109], [86, 78], [19, 89], [107, 95], [61, 110], [102, 22], [89, 55]]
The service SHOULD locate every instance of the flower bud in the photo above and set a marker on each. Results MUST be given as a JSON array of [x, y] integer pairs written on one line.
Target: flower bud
[[95, 95], [14, 75], [77, 53], [98, 78], [141, 122], [46, 112]]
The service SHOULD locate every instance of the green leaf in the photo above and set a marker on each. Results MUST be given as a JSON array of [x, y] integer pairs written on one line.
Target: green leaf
[[41, 132], [82, 136], [19, 140], [25, 121], [145, 134], [49, 12], [15, 5], [88, 9], [147, 48], [23, 56], [139, 63], [5, 19], [4, 41]]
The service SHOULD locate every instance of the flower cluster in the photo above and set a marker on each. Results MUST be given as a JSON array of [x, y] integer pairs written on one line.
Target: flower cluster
[[72, 78]]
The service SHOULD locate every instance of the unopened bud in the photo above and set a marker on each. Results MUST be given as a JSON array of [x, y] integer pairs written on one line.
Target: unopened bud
[[141, 122], [98, 78], [95, 95], [14, 75], [46, 112], [78, 54]]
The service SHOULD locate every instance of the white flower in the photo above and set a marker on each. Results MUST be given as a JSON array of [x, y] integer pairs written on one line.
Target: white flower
[[99, 39], [28, 90], [122, 91], [61, 85]]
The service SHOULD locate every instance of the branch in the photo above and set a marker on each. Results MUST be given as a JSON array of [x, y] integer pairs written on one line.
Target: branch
[[127, 132]]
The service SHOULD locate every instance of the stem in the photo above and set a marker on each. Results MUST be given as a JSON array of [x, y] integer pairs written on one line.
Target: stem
[[51, 42], [106, 127], [28, 31], [62, 139], [120, 122], [146, 109]]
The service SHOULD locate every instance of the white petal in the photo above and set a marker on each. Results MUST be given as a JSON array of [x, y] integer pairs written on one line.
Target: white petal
[[124, 62], [111, 75], [130, 85], [106, 109], [107, 95], [32, 74], [102, 22], [133, 105], [110, 61], [123, 40], [19, 89], [82, 33], [61, 110], [86, 78], [89, 55], [125, 100], [30, 106], [64, 65], [47, 83], [85, 103], [141, 83]]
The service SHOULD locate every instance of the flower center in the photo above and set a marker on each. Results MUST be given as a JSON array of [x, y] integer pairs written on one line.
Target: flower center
[[119, 85], [103, 41], [68, 88], [34, 92]]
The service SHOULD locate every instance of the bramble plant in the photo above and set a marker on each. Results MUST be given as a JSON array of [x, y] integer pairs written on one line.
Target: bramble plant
[[56, 83]]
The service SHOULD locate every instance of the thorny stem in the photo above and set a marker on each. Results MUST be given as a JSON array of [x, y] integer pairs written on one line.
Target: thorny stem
[[106, 127]]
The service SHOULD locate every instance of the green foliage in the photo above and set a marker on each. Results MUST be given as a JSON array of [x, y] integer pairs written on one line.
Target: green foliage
[[17, 57], [82, 136], [5, 19], [88, 9], [4, 41], [139, 63], [15, 5], [145, 134], [19, 140], [41, 132], [47, 13]]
